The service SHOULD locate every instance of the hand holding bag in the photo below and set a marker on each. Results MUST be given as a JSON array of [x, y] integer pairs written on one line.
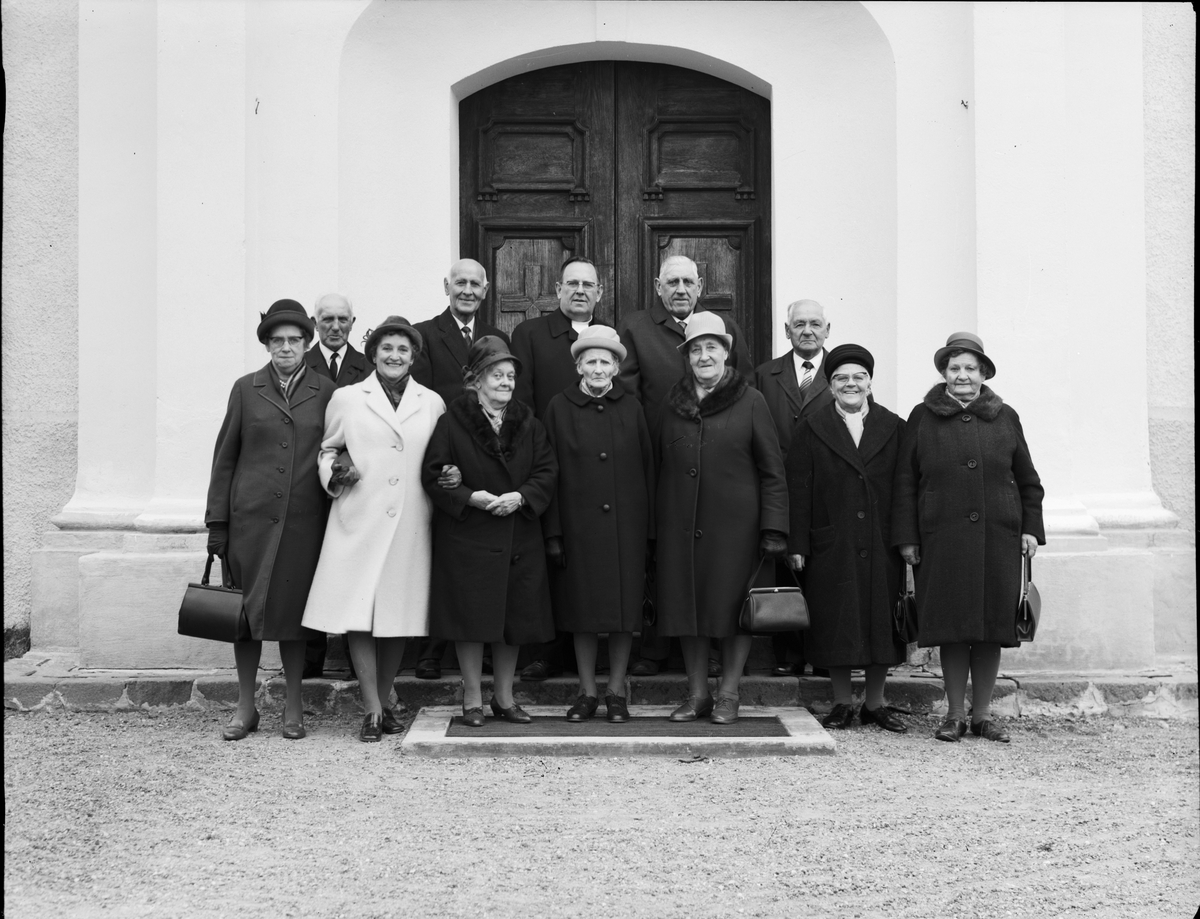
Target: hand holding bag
[[211, 612], [904, 614], [773, 609], [1029, 609]]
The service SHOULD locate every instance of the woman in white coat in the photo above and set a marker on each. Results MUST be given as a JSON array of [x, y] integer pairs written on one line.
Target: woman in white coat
[[372, 581]]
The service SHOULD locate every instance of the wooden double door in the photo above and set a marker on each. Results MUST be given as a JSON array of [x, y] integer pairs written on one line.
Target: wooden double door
[[626, 164]]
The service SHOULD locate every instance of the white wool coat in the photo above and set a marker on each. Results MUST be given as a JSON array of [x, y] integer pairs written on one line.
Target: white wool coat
[[373, 575]]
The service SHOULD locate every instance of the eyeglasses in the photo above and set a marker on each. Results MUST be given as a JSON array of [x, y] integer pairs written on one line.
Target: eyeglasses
[[580, 285], [841, 379], [276, 341]]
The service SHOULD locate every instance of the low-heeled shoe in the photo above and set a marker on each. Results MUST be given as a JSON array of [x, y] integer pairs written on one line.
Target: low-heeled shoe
[[644, 667], [725, 711], [693, 709], [428, 670], [882, 717], [540, 670], [474, 717], [583, 709], [989, 730], [390, 725], [238, 730], [294, 730], [714, 667], [951, 730], [372, 728], [785, 670], [840, 717], [514, 714], [617, 710]]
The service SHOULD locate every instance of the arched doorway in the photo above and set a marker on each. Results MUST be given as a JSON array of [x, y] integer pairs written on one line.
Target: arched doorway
[[625, 163]]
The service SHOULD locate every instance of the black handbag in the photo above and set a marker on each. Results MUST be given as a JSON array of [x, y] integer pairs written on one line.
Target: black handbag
[[1029, 609], [213, 612], [904, 614], [773, 609]]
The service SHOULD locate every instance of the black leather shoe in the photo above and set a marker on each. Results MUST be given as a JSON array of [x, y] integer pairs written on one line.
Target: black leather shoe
[[644, 667], [583, 709], [989, 730], [693, 709], [515, 714], [618, 711], [725, 711], [820, 671], [784, 670], [839, 718], [313, 671], [540, 670], [951, 730], [238, 729], [714, 667], [428, 670], [294, 730], [372, 729], [882, 717], [390, 725], [474, 717]]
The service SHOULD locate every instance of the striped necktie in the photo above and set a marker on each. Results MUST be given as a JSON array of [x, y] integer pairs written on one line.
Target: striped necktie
[[466, 330], [806, 380]]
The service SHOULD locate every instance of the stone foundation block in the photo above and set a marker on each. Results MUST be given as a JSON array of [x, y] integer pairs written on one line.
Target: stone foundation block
[[93, 694], [30, 695], [157, 692]]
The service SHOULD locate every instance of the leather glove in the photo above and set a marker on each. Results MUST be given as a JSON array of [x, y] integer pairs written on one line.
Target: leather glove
[[773, 544], [218, 539], [343, 475], [555, 551]]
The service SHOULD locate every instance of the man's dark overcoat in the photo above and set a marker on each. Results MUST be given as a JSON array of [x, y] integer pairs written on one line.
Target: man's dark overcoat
[[264, 484], [841, 507], [602, 509], [543, 345], [354, 367], [776, 380], [965, 491], [444, 354], [654, 363], [720, 482], [489, 572]]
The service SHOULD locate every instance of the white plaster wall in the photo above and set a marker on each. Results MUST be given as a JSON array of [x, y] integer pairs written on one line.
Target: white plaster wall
[[39, 289]]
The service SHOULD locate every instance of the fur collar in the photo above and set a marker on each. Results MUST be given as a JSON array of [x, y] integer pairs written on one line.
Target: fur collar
[[986, 405], [466, 411], [684, 403]]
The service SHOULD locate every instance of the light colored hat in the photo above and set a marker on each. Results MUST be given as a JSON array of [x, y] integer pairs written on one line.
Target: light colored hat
[[706, 323], [963, 341], [598, 336]]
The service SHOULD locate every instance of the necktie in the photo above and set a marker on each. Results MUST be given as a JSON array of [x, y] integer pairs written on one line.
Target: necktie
[[466, 330], [806, 380], [333, 365]]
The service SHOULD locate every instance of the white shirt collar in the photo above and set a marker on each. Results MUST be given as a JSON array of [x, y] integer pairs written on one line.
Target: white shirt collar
[[815, 360], [327, 354], [469, 325]]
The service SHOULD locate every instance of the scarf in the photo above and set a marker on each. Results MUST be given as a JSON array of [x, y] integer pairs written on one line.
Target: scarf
[[394, 391], [288, 386]]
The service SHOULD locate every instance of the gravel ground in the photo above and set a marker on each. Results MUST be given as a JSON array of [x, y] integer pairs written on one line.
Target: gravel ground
[[153, 815]]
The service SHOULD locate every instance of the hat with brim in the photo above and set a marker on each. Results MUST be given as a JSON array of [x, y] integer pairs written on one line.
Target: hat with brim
[[393, 325], [598, 336], [963, 341], [848, 354], [285, 312], [486, 351], [706, 323]]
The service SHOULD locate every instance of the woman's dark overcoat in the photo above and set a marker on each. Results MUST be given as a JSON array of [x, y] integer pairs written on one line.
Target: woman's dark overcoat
[[720, 482], [841, 508], [601, 509], [965, 491], [264, 485], [489, 572]]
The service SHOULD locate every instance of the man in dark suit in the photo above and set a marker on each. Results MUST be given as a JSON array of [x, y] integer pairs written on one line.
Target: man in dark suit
[[653, 365], [336, 359], [439, 365], [794, 388], [543, 346]]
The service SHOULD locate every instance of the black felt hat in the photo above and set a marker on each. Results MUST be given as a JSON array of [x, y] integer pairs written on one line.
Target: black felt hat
[[393, 325], [848, 354], [963, 341], [285, 311], [485, 351]]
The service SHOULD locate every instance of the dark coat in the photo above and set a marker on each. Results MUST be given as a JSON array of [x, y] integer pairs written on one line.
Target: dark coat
[[654, 364], [841, 511], [354, 367], [776, 380], [489, 572], [264, 485], [440, 363], [965, 491], [543, 345], [602, 509], [720, 482]]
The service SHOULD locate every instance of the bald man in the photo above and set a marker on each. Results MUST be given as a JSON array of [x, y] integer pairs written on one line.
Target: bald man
[[334, 357]]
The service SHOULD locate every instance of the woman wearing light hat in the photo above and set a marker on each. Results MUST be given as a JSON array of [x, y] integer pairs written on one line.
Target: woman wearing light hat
[[489, 562], [721, 504], [266, 510], [372, 583], [840, 469], [598, 524], [967, 507]]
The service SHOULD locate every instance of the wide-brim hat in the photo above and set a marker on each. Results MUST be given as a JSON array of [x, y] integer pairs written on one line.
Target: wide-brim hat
[[706, 323], [393, 325], [598, 336], [963, 341], [848, 354], [281, 312], [485, 351]]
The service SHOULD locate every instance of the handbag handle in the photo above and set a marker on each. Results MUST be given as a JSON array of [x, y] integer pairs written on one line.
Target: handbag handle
[[754, 577], [226, 577], [1026, 575]]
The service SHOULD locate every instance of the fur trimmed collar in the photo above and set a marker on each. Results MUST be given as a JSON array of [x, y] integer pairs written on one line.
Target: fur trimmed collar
[[466, 411], [683, 401], [986, 405]]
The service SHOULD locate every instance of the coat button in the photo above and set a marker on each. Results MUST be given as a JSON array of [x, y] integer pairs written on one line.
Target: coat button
[[281, 469], [861, 515], [393, 480], [603, 456], [391, 512], [278, 494], [606, 508], [862, 553], [971, 464], [274, 519], [974, 516], [699, 533], [515, 559], [692, 473], [599, 408], [283, 444], [966, 417], [287, 420]]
